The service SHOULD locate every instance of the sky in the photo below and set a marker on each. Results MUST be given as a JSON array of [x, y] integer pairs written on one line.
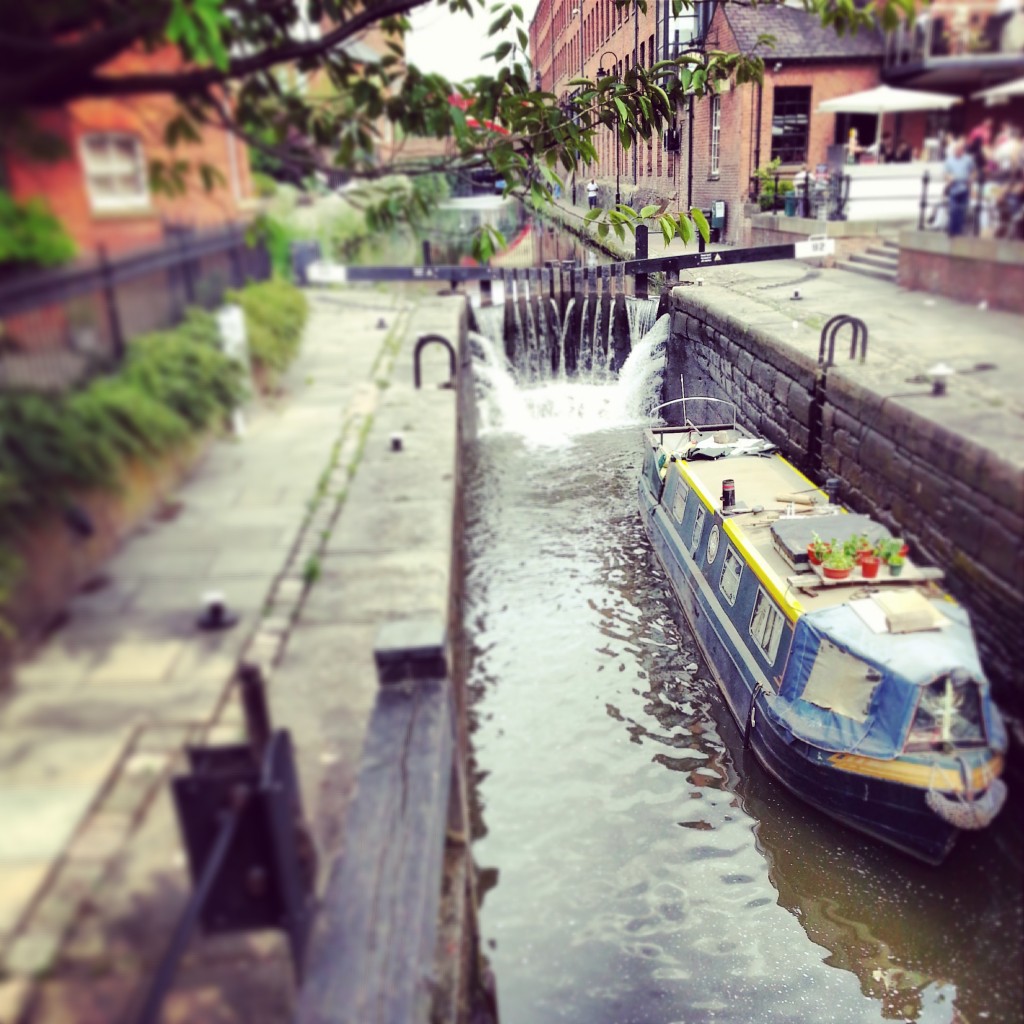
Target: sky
[[453, 44]]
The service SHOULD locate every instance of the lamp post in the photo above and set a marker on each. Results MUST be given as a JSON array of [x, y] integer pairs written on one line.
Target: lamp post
[[618, 145], [578, 9]]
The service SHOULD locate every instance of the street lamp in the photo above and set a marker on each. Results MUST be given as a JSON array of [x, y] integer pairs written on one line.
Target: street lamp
[[618, 144], [578, 9]]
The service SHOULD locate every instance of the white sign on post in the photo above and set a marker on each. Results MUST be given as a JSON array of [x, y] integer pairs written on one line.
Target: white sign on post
[[235, 345]]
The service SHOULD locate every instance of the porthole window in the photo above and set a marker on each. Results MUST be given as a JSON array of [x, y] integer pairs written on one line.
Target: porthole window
[[732, 571], [713, 538]]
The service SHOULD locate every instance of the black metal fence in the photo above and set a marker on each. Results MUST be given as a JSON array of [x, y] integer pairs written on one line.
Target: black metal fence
[[822, 197], [59, 327]]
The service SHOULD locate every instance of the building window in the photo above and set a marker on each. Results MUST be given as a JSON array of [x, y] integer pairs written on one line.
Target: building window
[[716, 129], [115, 172], [791, 123]]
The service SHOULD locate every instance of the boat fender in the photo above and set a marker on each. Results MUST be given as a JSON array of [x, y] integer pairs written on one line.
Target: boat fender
[[967, 814]]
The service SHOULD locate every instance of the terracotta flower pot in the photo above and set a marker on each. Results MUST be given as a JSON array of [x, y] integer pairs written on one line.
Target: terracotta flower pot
[[869, 566], [835, 574]]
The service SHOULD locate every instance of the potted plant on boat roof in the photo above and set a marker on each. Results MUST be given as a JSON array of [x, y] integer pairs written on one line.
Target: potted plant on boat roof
[[837, 564], [861, 547], [896, 563], [870, 563], [817, 550]]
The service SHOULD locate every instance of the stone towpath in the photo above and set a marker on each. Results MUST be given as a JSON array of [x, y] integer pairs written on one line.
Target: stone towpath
[[92, 873]]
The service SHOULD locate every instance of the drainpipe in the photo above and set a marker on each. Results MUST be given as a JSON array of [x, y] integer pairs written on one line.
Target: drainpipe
[[757, 129], [636, 50], [689, 153]]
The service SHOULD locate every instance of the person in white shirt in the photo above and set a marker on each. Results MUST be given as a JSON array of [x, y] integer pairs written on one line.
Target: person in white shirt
[[592, 193]]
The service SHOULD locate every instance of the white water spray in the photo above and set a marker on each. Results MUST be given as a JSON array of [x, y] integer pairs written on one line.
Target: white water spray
[[553, 413]]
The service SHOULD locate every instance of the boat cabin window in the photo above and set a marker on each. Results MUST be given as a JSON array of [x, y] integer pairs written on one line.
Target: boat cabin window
[[948, 712], [841, 683], [766, 625], [729, 584], [698, 526], [679, 501]]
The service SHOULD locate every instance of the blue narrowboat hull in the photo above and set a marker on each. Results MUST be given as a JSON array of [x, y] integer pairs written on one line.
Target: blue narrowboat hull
[[887, 809]]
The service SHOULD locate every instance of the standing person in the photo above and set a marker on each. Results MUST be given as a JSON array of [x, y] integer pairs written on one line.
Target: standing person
[[592, 193], [978, 143], [959, 168]]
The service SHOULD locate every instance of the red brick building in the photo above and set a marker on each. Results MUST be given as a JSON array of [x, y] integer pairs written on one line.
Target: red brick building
[[573, 37], [100, 189], [717, 143]]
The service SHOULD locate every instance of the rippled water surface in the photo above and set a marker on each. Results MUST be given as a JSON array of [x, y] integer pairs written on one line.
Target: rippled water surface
[[636, 866]]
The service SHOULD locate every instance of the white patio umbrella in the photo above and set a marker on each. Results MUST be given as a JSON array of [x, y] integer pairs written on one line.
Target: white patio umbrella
[[1001, 92], [884, 99]]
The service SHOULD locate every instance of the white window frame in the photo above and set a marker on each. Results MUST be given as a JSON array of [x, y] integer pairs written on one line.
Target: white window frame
[[679, 501], [716, 133], [698, 529], [102, 201], [769, 628], [732, 558]]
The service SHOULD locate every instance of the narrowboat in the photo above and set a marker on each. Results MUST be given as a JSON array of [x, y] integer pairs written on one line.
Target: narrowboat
[[864, 696]]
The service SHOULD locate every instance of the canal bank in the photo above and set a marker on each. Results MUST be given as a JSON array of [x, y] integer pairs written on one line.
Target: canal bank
[[332, 517], [946, 470]]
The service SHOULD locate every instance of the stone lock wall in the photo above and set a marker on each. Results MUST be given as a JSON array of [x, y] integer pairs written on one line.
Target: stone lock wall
[[958, 502]]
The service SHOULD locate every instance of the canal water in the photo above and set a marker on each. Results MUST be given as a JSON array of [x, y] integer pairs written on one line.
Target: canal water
[[636, 865]]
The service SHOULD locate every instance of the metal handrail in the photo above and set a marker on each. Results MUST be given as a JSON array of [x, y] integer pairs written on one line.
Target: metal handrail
[[706, 426]]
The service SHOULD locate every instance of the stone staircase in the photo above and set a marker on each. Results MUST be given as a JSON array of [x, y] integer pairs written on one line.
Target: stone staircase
[[880, 261]]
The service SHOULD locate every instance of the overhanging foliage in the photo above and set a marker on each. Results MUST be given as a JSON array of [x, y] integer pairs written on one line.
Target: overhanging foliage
[[286, 76]]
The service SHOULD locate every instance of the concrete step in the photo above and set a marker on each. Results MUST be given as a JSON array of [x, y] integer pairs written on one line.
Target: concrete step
[[867, 271], [884, 252], [879, 262], [891, 243]]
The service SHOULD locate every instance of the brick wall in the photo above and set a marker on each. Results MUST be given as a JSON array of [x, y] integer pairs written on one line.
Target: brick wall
[[956, 501], [967, 269], [145, 117]]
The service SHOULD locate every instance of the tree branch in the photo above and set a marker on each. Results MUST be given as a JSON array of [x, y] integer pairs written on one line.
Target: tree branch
[[54, 85]]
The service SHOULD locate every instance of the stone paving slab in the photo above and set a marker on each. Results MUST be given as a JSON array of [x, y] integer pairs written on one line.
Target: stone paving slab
[[129, 655]]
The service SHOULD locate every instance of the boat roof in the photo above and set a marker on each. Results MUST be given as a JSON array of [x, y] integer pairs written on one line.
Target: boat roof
[[765, 480]]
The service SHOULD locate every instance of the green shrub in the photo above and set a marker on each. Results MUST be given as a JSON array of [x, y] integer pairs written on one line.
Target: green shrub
[[185, 371], [30, 235], [278, 240], [275, 313], [264, 185], [173, 385]]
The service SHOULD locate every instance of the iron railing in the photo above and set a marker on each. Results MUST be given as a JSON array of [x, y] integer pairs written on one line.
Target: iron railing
[[59, 327]]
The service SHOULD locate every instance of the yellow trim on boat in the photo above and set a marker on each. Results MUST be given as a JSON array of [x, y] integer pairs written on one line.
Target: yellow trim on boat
[[790, 608], [923, 776], [695, 485]]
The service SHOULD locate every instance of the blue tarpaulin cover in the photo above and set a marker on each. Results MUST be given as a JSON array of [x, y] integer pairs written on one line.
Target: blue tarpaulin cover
[[904, 662]]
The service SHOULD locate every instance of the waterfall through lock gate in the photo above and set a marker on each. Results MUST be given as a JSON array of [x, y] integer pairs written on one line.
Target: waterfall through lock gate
[[527, 389]]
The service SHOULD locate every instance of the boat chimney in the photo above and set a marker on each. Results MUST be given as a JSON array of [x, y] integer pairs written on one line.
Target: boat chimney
[[728, 493]]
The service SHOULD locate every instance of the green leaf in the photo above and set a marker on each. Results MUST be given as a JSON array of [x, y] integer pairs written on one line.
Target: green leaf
[[668, 228], [648, 211], [701, 221], [623, 112]]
